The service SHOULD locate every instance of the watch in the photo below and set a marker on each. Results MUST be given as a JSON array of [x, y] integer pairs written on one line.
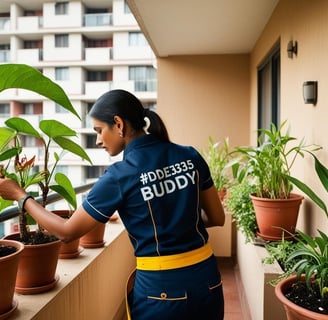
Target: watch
[[21, 202]]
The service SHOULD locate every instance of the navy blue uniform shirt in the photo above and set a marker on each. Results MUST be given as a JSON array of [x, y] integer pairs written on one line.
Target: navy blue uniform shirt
[[155, 189]]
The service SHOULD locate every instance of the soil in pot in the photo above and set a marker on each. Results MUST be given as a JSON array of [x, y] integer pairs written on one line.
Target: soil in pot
[[308, 298], [301, 303], [6, 250]]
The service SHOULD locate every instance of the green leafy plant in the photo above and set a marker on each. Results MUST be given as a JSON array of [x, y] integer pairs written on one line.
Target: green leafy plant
[[312, 252], [280, 251], [242, 210], [272, 160], [311, 256], [49, 132], [217, 156]]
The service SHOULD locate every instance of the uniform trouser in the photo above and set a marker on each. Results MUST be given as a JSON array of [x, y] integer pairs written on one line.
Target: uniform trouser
[[193, 292]]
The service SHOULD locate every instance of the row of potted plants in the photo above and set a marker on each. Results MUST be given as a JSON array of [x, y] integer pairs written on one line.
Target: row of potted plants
[[261, 174], [20, 248]]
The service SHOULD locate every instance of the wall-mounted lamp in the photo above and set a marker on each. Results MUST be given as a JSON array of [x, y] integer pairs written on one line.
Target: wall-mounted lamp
[[310, 92], [291, 49]]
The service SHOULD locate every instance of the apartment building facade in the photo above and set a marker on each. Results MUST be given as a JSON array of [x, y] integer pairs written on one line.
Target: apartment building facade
[[88, 47]]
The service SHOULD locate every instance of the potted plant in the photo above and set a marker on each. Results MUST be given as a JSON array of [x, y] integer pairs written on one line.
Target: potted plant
[[268, 165], [10, 252], [217, 157], [304, 294], [50, 132]]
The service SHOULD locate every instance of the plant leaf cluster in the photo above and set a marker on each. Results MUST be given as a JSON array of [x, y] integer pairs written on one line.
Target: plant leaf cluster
[[242, 210], [49, 133], [217, 156], [271, 161]]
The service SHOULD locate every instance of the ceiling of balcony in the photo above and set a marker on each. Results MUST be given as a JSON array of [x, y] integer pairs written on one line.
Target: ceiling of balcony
[[202, 27]]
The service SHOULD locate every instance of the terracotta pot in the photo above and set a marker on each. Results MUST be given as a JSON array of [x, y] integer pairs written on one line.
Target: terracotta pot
[[8, 273], [37, 267], [72, 249], [94, 238], [293, 311], [276, 216]]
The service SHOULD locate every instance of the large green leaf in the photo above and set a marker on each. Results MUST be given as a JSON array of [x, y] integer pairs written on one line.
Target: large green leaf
[[22, 126], [54, 128], [65, 189], [6, 135], [309, 192], [26, 77], [72, 147]]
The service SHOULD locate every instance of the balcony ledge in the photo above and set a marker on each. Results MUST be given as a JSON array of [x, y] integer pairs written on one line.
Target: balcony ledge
[[91, 286]]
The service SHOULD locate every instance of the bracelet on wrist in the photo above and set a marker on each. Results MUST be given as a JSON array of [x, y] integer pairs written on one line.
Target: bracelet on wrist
[[21, 202]]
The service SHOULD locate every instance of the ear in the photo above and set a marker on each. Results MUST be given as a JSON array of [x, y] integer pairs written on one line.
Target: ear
[[119, 122]]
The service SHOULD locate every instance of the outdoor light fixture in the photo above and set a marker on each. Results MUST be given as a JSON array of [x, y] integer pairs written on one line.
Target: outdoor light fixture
[[291, 48], [310, 90]]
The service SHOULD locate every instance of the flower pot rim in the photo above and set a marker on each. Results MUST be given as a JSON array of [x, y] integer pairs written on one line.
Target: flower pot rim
[[14, 243], [292, 197], [12, 236], [279, 292]]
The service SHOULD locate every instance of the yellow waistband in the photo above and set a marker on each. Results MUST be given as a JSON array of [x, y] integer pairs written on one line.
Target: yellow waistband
[[176, 260]]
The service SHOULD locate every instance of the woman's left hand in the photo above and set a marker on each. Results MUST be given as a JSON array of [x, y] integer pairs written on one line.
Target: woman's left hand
[[10, 190]]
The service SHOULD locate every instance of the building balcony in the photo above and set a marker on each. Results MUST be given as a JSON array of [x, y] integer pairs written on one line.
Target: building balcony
[[30, 23], [30, 56], [94, 55], [94, 89]]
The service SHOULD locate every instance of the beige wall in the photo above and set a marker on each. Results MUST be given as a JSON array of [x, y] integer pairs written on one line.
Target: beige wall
[[202, 96], [216, 95], [306, 22]]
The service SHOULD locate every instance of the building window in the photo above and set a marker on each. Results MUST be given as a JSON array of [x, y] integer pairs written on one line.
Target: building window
[[95, 171], [61, 41], [90, 140], [60, 109], [32, 44], [28, 141], [126, 8], [28, 108], [4, 110], [144, 78], [61, 8], [269, 91], [62, 74], [62, 169], [137, 39], [97, 76]]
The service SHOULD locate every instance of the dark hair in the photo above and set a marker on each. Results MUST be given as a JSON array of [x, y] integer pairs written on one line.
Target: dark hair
[[157, 125], [128, 107]]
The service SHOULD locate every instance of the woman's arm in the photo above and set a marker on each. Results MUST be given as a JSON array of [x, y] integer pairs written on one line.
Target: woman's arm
[[64, 229], [213, 212]]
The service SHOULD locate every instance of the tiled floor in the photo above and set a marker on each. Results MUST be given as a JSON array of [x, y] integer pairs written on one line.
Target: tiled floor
[[235, 308]]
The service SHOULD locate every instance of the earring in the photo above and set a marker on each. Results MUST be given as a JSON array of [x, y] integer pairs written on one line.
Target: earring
[[120, 134]]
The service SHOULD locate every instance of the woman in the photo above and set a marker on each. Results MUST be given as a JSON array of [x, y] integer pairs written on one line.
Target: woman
[[165, 197]]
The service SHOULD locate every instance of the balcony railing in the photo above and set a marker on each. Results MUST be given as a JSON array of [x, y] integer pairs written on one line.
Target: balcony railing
[[12, 212], [98, 20], [4, 56]]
